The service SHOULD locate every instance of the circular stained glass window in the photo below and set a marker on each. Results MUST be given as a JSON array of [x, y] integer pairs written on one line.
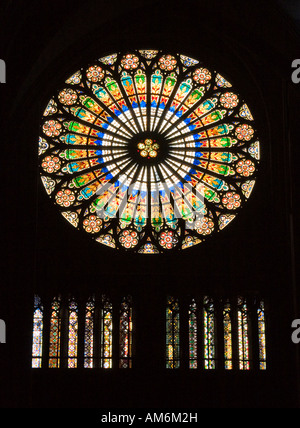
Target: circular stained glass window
[[148, 151]]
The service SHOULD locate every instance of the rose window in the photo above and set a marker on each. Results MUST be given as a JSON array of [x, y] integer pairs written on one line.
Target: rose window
[[148, 151]]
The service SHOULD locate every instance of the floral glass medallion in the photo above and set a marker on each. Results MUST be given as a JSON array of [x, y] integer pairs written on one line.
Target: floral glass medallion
[[148, 151]]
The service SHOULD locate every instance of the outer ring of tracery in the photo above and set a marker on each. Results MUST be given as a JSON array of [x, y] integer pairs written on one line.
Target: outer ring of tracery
[[148, 151]]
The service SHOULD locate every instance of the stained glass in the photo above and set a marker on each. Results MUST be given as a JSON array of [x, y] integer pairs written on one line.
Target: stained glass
[[126, 330], [262, 336], [172, 334], [202, 322], [193, 336], [106, 333], [209, 334], [227, 323], [243, 334], [55, 334], [89, 334], [37, 339], [73, 335], [147, 151]]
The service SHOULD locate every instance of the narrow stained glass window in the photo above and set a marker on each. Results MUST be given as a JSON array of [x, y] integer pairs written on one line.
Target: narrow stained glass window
[[262, 336], [209, 334], [55, 333], [106, 333], [193, 338], [37, 340], [89, 334], [172, 336], [126, 333], [73, 335], [243, 334], [227, 322]]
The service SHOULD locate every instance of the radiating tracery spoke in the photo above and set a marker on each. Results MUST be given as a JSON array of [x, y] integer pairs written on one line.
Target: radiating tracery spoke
[[148, 151]]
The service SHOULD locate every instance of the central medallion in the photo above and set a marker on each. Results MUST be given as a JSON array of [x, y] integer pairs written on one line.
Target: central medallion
[[148, 148]]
